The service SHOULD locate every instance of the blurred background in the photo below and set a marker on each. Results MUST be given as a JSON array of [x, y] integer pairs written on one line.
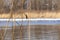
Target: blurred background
[[15, 5]]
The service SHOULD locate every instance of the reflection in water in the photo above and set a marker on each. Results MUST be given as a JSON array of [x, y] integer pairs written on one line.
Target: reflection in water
[[44, 33], [37, 32]]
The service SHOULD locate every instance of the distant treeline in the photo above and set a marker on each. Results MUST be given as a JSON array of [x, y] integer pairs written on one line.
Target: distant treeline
[[15, 5]]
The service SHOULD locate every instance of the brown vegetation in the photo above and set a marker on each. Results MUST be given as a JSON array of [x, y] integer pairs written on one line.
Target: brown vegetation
[[18, 8], [32, 15]]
